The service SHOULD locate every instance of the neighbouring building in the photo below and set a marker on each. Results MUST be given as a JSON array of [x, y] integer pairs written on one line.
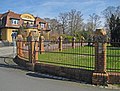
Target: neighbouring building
[[11, 22]]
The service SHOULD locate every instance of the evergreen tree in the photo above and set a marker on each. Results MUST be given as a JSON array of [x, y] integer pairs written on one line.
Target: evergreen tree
[[115, 30]]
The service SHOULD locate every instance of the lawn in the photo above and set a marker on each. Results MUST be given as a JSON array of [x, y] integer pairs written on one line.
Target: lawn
[[81, 57]]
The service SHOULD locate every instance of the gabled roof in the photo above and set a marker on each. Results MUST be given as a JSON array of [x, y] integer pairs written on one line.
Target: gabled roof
[[39, 19], [12, 14]]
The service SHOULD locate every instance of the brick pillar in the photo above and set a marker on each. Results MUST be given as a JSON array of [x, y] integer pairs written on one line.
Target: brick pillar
[[100, 76], [100, 57], [19, 45], [20, 49], [36, 51], [17, 48], [60, 43], [41, 44], [30, 51], [73, 42], [33, 51]]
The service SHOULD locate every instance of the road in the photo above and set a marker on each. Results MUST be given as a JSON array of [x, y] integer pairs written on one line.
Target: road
[[14, 78]]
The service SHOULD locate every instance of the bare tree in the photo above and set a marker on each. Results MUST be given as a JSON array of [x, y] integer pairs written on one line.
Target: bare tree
[[53, 25], [75, 21], [93, 22], [107, 13], [118, 11], [63, 18]]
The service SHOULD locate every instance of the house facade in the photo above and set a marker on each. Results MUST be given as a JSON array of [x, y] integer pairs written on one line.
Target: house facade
[[11, 22]]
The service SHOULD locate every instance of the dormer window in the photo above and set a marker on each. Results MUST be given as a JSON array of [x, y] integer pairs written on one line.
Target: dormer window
[[15, 21], [42, 25]]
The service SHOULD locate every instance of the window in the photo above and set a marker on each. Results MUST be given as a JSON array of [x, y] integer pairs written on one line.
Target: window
[[15, 21], [14, 34], [42, 25]]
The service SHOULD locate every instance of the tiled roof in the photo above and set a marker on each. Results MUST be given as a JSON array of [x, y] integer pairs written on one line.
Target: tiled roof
[[39, 19], [1, 15], [11, 14]]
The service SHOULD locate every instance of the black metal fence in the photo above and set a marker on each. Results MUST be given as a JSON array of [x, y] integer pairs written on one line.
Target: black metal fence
[[23, 49], [81, 56], [113, 56], [73, 55]]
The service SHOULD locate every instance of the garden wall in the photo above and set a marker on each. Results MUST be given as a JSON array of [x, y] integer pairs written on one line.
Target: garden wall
[[70, 73], [67, 72]]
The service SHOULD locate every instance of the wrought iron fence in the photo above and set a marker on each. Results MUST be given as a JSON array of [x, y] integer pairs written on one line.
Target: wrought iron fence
[[81, 56], [23, 49], [75, 55], [113, 56]]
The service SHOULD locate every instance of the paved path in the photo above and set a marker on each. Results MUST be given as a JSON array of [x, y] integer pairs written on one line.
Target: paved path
[[6, 51], [13, 78]]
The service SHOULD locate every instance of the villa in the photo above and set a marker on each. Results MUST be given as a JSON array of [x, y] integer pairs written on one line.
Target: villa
[[11, 22]]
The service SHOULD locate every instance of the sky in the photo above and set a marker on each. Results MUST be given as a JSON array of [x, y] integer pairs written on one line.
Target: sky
[[52, 8]]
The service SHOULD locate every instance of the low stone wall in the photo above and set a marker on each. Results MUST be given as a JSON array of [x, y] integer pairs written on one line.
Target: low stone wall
[[23, 63], [70, 73], [114, 78]]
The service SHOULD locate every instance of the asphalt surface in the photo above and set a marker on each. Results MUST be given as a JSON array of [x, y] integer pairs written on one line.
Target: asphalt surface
[[14, 78]]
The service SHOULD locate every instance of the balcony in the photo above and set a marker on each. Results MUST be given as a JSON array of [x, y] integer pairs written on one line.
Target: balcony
[[30, 25], [36, 26]]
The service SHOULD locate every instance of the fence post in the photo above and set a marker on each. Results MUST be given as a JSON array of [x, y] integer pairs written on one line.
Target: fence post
[[73, 42], [19, 45], [30, 48], [100, 76], [60, 43], [17, 48], [20, 49], [41, 44], [36, 51], [33, 51]]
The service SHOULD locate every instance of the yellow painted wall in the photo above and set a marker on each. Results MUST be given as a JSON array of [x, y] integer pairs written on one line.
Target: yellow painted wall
[[9, 32], [27, 17], [6, 34]]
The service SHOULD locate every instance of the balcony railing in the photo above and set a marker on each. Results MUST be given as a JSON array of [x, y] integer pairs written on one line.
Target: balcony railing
[[35, 26], [31, 26]]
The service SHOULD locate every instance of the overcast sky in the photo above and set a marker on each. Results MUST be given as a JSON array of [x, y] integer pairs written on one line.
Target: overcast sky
[[51, 8]]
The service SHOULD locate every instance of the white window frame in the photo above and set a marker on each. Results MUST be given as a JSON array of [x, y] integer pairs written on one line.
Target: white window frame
[[15, 21], [42, 25]]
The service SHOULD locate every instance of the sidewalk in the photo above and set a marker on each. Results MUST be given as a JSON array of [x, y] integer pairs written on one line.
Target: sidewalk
[[6, 51]]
